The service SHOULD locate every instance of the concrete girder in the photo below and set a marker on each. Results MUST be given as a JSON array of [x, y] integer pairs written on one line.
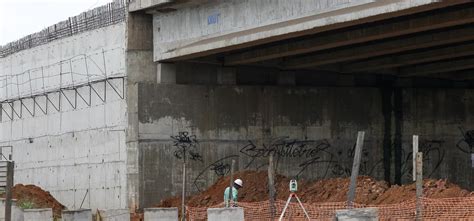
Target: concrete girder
[[392, 46], [456, 75], [428, 55], [437, 67], [382, 30]]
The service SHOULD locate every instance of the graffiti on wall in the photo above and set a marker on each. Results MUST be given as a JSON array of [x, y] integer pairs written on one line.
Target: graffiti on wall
[[310, 152], [433, 157], [343, 165], [307, 154], [220, 167], [466, 143], [186, 147]]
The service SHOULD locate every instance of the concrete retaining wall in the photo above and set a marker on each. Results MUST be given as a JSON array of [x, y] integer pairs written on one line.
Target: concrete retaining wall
[[244, 123], [38, 214], [162, 214], [77, 215], [74, 153], [225, 214]]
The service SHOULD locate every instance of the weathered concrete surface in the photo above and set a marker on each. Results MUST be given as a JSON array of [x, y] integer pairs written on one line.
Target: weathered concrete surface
[[74, 153], [364, 214], [115, 215], [140, 68], [163, 214], [17, 213], [225, 214], [38, 214], [76, 215], [216, 25], [312, 130]]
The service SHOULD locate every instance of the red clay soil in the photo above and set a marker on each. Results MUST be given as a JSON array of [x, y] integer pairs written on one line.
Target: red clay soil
[[39, 197], [369, 191]]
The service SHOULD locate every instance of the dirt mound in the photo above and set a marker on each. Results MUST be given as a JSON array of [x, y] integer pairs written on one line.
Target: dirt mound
[[431, 188], [335, 190], [369, 190], [35, 197]]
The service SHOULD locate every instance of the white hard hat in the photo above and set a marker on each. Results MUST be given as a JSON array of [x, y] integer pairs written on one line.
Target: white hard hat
[[238, 182]]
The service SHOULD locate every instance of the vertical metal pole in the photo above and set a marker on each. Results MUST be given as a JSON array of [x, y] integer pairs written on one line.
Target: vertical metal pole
[[231, 186], [271, 186], [415, 151], [8, 189], [355, 169], [419, 186], [183, 209]]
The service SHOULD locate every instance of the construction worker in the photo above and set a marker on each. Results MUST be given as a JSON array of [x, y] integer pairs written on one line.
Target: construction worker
[[237, 185]]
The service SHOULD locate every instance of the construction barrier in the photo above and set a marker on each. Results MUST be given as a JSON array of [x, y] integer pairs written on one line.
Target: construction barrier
[[460, 208]]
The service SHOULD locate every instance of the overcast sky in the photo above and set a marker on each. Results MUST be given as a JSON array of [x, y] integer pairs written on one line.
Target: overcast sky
[[19, 18]]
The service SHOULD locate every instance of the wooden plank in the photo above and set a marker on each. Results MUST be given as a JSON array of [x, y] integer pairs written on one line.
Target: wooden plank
[[419, 186], [271, 186], [355, 168], [415, 151], [8, 192]]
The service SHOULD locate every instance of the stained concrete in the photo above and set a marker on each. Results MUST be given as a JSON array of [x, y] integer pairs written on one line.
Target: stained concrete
[[115, 215], [216, 26], [77, 215], [364, 214], [245, 122], [225, 214], [74, 153], [162, 214], [17, 212], [38, 214]]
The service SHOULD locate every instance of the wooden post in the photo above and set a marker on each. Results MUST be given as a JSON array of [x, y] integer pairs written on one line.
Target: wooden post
[[8, 191], [415, 151], [355, 168], [183, 207], [419, 186], [231, 186], [271, 185]]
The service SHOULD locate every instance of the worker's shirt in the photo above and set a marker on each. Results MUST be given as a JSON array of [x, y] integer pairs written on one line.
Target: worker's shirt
[[234, 196]]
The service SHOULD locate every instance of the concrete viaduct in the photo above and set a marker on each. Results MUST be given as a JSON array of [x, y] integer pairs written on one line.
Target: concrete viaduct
[[213, 81], [274, 72]]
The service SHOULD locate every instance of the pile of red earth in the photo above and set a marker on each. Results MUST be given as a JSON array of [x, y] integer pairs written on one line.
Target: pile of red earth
[[369, 191], [37, 198]]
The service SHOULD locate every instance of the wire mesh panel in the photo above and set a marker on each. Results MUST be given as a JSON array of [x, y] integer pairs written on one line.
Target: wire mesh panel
[[102, 16]]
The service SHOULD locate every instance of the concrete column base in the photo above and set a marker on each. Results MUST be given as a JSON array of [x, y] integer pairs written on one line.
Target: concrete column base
[[17, 213], [115, 215], [164, 214], [364, 214], [77, 215], [38, 214], [225, 214]]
